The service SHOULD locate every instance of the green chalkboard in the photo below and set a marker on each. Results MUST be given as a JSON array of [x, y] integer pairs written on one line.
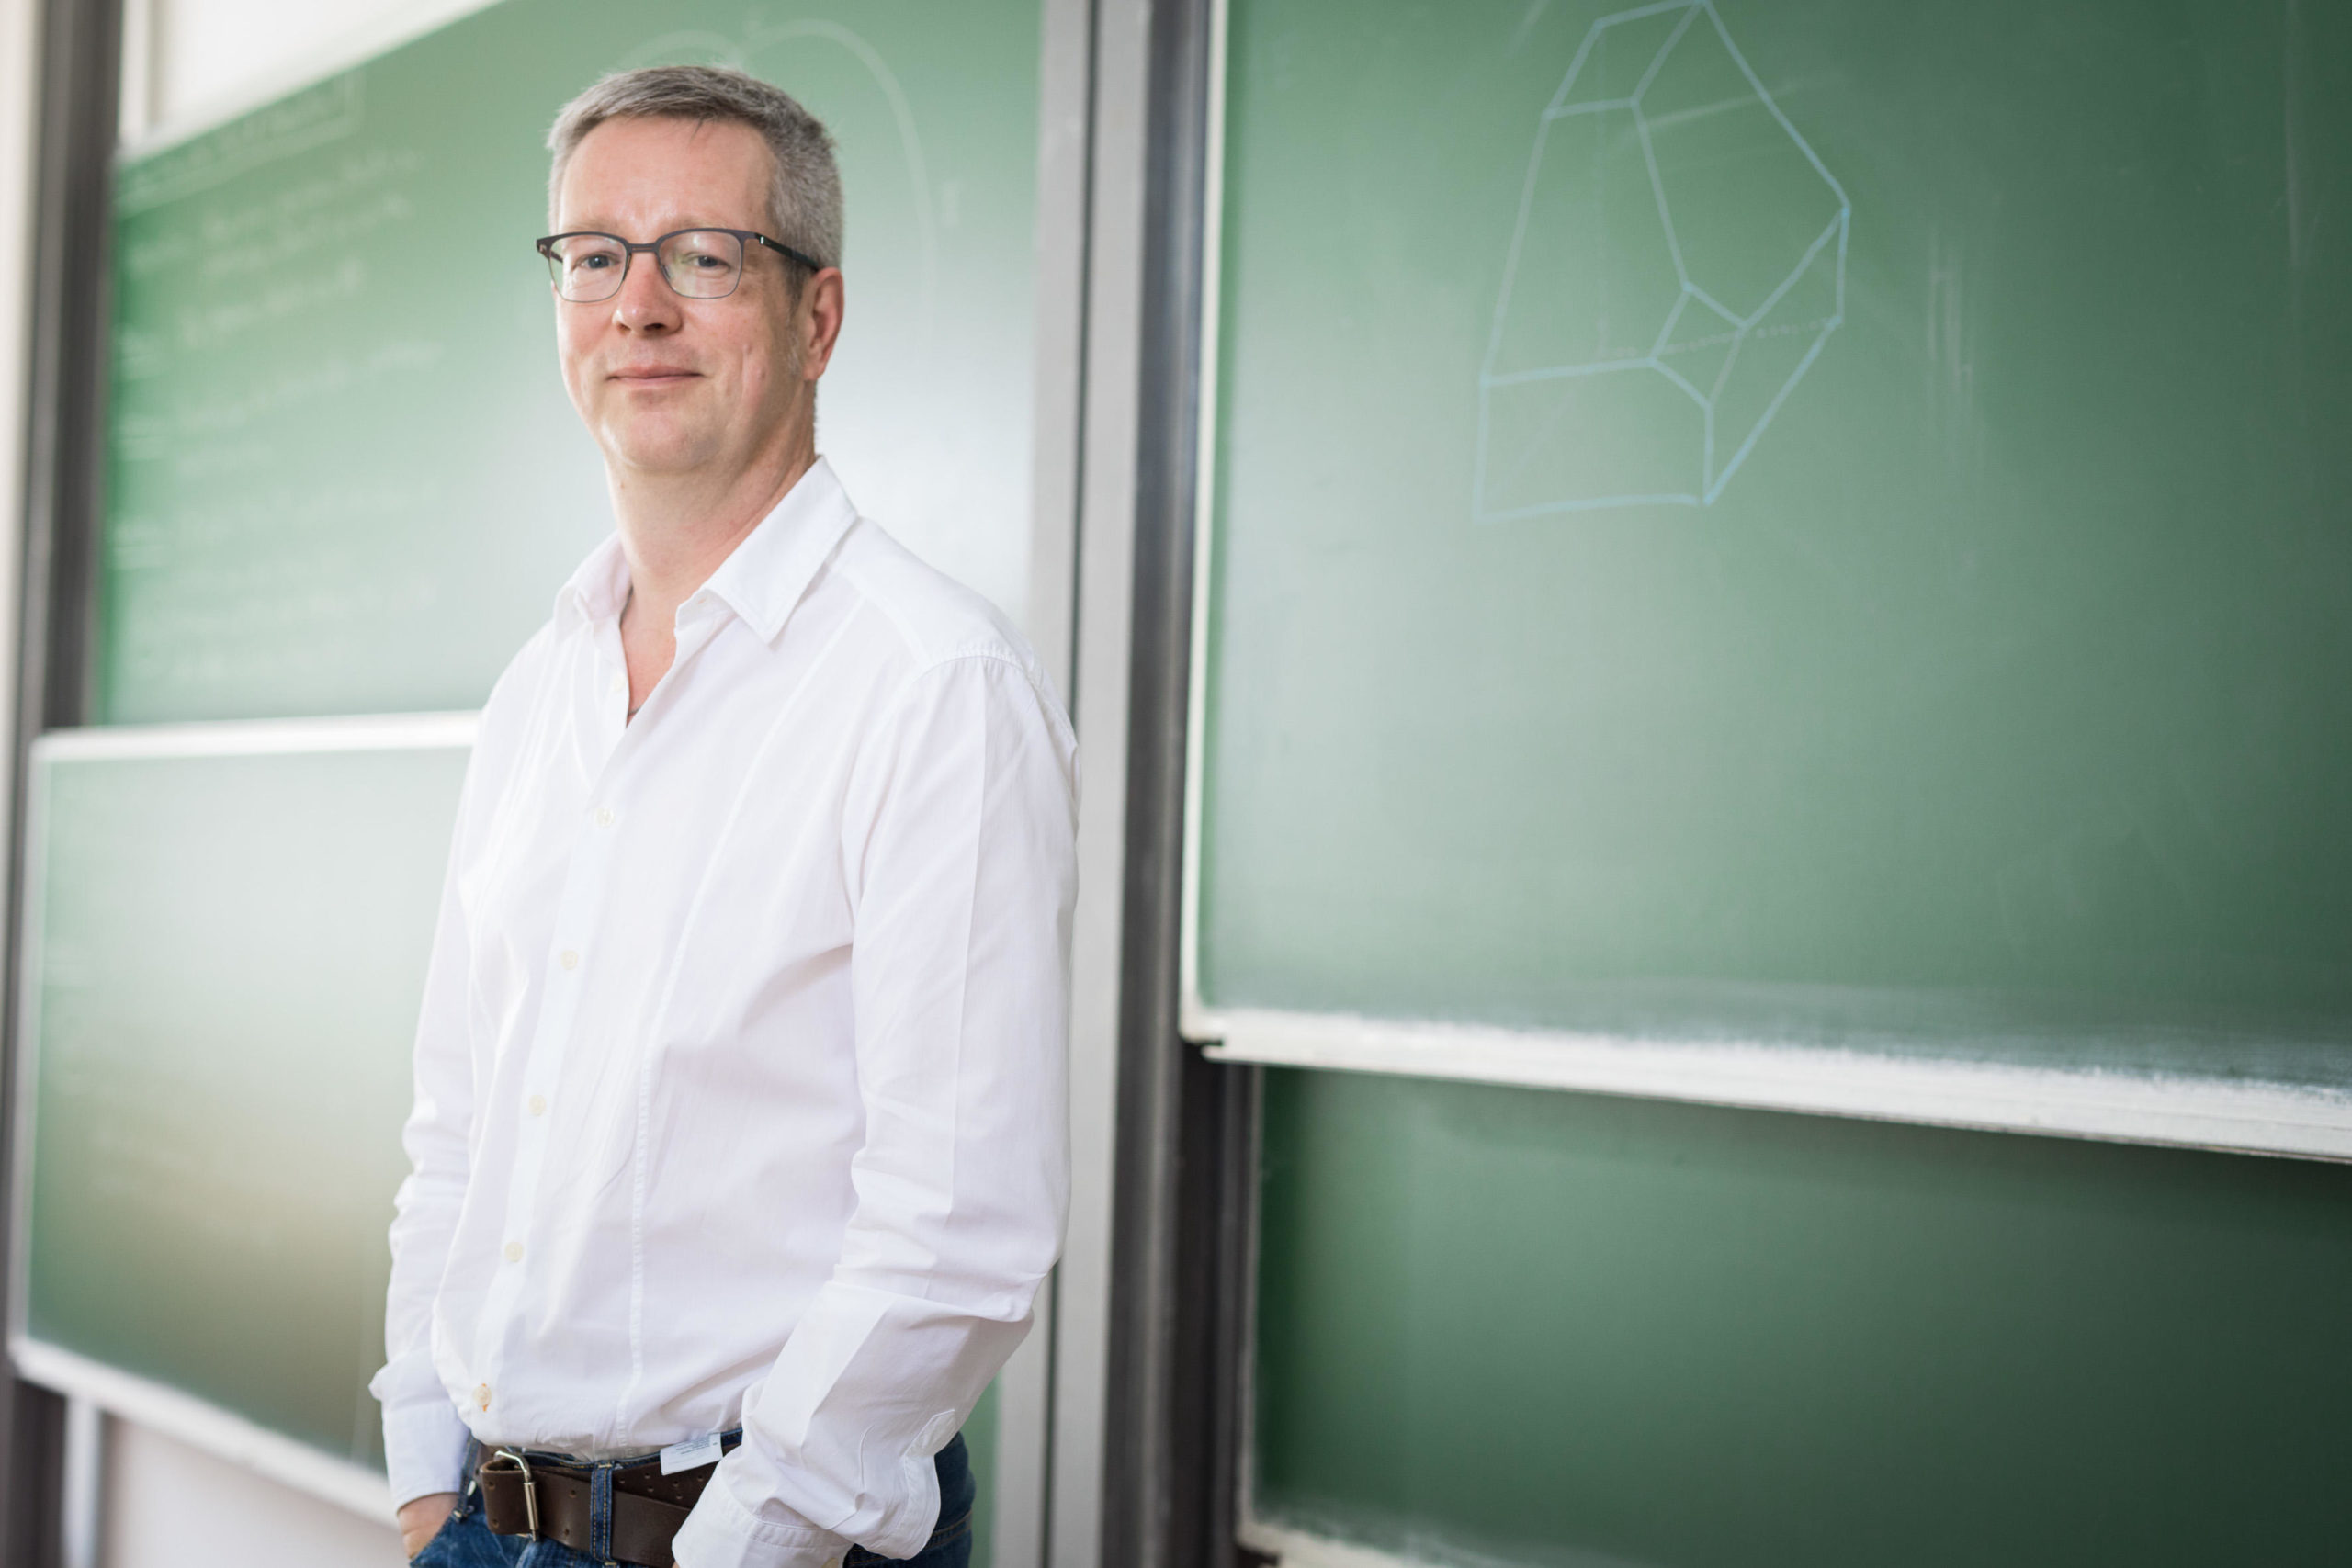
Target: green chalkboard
[[1502, 1326], [228, 956], [343, 473], [1815, 522], [228, 951]]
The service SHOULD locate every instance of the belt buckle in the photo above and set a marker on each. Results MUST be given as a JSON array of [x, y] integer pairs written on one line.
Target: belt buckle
[[530, 1488]]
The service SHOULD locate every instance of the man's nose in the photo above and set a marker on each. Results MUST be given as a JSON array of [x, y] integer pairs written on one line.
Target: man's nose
[[646, 303]]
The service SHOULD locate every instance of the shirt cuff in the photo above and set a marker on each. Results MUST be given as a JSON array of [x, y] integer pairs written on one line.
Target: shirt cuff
[[720, 1534], [425, 1449]]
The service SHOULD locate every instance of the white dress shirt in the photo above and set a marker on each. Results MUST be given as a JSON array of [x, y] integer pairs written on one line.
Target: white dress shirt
[[739, 1084]]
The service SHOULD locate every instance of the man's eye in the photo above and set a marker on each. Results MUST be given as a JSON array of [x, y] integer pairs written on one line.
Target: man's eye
[[591, 262]]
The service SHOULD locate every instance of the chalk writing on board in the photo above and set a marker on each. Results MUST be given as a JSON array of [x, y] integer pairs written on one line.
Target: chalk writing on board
[[303, 248], [1677, 263], [360, 194]]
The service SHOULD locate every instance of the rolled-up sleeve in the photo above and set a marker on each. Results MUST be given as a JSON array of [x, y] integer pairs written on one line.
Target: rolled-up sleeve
[[959, 847]]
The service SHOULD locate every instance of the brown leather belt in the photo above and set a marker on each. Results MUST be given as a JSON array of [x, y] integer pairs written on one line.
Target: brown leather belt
[[546, 1500]]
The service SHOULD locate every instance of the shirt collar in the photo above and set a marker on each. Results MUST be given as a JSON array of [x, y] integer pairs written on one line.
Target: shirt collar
[[596, 590], [768, 572], [761, 581]]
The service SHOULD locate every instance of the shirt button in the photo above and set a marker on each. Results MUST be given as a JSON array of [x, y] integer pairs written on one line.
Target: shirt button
[[538, 1105], [513, 1252], [619, 685], [604, 816], [570, 960], [481, 1395]]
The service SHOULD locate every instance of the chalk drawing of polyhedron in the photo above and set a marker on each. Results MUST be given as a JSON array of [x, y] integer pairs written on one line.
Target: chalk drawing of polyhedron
[[1679, 263]]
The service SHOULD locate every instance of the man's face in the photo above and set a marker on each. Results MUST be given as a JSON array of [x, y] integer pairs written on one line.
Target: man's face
[[666, 384]]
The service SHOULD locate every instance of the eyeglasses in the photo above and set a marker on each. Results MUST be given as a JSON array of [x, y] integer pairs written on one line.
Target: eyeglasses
[[701, 264]]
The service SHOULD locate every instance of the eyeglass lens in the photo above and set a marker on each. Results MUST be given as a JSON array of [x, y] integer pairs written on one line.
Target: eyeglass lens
[[701, 264]]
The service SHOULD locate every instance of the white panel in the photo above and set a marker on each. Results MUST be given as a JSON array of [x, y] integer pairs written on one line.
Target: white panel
[[210, 57], [136, 91], [169, 1505]]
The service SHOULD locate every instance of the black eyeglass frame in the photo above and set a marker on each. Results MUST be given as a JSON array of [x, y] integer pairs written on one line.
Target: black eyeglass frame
[[629, 250]]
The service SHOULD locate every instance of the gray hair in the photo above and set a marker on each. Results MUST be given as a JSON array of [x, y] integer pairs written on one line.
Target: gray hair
[[804, 202]]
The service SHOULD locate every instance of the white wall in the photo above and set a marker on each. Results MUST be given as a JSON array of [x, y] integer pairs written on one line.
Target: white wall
[[167, 1506], [187, 59]]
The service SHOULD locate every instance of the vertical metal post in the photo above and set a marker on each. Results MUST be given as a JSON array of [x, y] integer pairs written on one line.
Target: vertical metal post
[[1150, 1352], [36, 1476], [1170, 1452], [83, 1484], [72, 268], [1101, 641], [80, 59]]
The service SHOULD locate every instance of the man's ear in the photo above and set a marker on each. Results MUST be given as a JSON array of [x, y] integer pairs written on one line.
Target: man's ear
[[818, 322]]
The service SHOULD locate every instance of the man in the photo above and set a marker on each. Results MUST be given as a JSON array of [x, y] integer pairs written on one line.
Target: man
[[740, 1094]]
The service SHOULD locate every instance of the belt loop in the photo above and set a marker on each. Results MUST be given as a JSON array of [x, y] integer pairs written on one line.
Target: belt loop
[[600, 1513], [530, 1490]]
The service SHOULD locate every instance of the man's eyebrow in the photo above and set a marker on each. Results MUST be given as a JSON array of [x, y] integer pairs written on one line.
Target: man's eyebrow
[[605, 225]]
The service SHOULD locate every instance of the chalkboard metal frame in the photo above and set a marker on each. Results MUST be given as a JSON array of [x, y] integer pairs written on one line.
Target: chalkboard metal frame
[[197, 1422], [2183, 1110]]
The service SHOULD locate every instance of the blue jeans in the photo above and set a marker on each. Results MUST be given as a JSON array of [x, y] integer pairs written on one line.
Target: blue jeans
[[466, 1541]]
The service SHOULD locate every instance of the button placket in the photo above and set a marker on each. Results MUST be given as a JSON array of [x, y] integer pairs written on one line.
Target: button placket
[[583, 892], [697, 623], [610, 707]]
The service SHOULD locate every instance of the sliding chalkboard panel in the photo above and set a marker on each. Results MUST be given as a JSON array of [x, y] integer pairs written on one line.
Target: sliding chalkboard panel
[[344, 475], [1500, 1325], [226, 958], [228, 929], [1816, 524]]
